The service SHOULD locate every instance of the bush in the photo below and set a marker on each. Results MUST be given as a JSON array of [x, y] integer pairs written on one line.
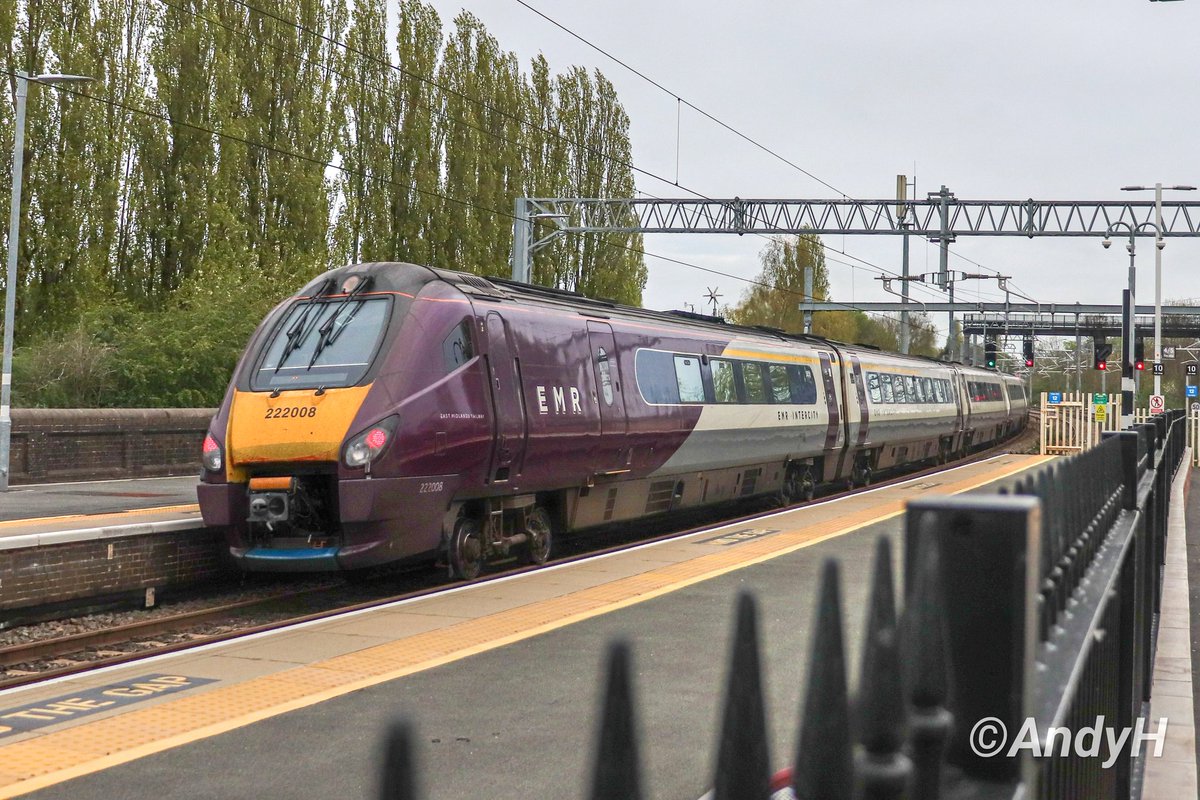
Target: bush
[[120, 356]]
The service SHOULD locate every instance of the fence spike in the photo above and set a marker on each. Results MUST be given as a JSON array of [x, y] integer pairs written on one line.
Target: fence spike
[[617, 773], [399, 766], [824, 766], [926, 654], [884, 769], [743, 771]]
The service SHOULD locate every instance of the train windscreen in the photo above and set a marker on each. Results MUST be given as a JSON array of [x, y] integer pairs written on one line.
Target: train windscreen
[[323, 343]]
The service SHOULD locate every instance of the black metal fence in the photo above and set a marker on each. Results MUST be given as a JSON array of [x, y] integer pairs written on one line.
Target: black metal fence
[[1026, 612]]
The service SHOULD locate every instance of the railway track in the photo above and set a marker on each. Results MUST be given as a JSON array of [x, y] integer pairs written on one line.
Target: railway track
[[31, 662]]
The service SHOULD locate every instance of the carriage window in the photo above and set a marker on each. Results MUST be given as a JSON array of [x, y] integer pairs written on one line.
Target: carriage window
[[456, 347], [994, 392], [781, 389], [918, 390], [885, 388], [910, 389], [655, 372], [926, 389], [687, 373], [605, 370], [724, 389], [804, 385], [899, 390], [873, 387], [939, 390], [752, 379]]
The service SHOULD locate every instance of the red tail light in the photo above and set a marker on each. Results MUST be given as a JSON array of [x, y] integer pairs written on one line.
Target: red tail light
[[210, 454], [367, 446], [376, 438]]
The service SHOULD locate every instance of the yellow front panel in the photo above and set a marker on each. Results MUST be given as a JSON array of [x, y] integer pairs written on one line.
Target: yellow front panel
[[297, 425]]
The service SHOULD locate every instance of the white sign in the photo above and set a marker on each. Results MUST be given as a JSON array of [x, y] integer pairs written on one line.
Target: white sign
[[1157, 403], [1195, 406], [1168, 351]]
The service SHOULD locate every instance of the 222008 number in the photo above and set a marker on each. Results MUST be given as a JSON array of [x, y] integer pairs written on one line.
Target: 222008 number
[[291, 411]]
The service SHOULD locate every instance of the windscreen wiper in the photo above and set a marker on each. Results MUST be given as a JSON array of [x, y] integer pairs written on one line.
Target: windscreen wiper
[[300, 328], [327, 332]]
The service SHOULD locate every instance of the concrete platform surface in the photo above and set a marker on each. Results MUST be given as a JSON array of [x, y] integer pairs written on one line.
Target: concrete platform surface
[[501, 678], [55, 513]]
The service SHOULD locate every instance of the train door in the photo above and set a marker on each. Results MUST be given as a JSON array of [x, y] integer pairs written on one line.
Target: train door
[[962, 409], [510, 425], [864, 410], [606, 372], [834, 435]]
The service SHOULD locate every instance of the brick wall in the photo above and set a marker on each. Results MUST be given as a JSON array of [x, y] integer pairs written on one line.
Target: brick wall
[[58, 573], [75, 444]]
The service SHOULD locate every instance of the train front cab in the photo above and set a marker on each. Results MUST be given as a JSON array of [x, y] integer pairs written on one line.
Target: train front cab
[[311, 464]]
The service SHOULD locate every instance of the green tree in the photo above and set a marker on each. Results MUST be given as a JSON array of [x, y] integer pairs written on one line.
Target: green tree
[[287, 91], [415, 157], [598, 165], [480, 129], [774, 299], [363, 230]]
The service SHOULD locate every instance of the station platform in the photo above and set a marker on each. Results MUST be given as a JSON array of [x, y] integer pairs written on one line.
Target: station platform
[[98, 506], [501, 678]]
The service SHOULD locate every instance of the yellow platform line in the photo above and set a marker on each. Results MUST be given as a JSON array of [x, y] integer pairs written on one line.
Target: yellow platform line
[[8, 523], [49, 759]]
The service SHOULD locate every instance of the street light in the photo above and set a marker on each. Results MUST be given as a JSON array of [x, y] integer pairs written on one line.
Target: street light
[[10, 286], [1127, 332], [1158, 190]]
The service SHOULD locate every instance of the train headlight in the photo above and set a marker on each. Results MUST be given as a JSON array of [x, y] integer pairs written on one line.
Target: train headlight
[[211, 455], [369, 445]]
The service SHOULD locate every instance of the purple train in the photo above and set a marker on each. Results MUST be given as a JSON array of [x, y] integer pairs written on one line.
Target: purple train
[[391, 412]]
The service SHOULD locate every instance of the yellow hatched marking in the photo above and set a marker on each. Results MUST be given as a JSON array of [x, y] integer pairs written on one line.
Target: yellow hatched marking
[[88, 747]]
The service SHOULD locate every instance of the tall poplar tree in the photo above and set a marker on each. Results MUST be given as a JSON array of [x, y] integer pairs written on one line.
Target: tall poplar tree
[[287, 89], [481, 90], [176, 162], [415, 163], [546, 169], [610, 264], [364, 227]]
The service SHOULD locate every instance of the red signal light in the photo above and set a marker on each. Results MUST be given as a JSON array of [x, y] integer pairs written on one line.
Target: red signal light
[[1139, 365], [1102, 365], [1029, 362]]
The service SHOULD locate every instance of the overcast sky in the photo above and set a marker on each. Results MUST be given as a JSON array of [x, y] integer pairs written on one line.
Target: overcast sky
[[1053, 99]]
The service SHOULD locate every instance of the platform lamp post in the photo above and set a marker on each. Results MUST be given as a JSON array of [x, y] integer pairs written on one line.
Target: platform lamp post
[[1158, 190], [10, 286], [1130, 307]]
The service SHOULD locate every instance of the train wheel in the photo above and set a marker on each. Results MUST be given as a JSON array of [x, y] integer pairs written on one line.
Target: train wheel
[[538, 529], [808, 485], [798, 486], [466, 549], [861, 476]]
